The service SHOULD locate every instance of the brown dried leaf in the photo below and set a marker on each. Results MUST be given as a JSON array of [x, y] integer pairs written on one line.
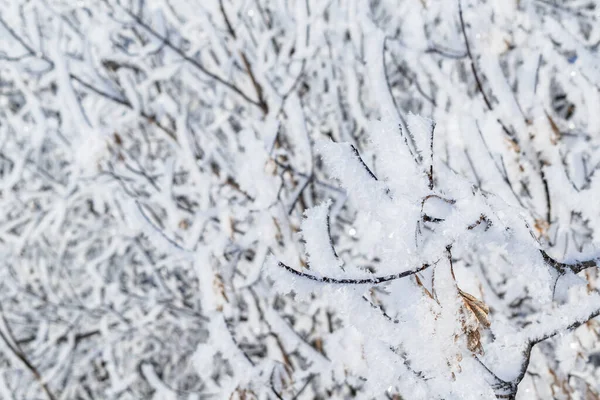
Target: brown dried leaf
[[220, 286], [480, 310], [473, 341], [271, 167], [541, 226], [513, 145], [477, 307], [427, 292], [557, 135]]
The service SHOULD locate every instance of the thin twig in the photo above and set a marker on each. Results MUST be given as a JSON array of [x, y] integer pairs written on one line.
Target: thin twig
[[476, 75], [257, 87], [189, 59], [13, 345], [375, 280]]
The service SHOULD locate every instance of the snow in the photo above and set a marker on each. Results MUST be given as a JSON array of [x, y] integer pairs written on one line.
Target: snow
[[299, 199]]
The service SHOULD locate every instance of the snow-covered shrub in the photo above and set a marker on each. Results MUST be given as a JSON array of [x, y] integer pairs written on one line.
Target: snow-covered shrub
[[418, 314]]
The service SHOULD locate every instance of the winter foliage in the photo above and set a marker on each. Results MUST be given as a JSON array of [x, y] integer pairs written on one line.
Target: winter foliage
[[299, 199]]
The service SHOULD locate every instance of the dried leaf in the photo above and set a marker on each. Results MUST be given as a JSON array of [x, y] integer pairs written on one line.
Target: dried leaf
[[220, 286], [427, 292], [555, 130], [473, 341], [473, 332], [477, 307]]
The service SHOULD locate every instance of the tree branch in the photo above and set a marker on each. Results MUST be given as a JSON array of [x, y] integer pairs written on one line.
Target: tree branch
[[192, 61], [257, 87], [375, 280], [575, 267]]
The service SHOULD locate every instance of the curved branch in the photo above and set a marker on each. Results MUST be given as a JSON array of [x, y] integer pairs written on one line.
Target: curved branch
[[375, 280], [486, 99], [575, 267], [257, 87], [538, 339], [357, 155], [192, 61]]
